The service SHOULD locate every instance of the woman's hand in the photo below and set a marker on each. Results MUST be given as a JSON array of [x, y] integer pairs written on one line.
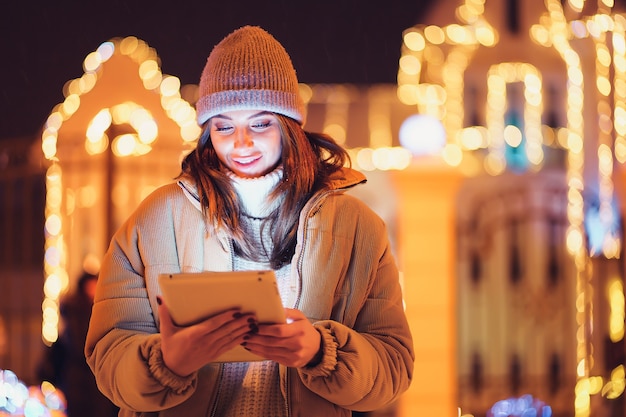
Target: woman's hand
[[187, 349], [296, 343]]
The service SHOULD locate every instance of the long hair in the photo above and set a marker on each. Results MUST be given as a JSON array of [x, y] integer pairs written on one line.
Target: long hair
[[308, 160]]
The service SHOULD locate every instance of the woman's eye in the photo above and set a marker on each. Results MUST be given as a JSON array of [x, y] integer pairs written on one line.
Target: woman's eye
[[223, 128], [261, 125]]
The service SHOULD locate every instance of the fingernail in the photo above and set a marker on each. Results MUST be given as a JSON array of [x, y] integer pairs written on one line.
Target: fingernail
[[243, 344], [159, 300], [254, 328], [237, 314]]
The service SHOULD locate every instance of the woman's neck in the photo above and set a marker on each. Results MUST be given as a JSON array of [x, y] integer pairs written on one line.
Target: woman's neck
[[254, 192]]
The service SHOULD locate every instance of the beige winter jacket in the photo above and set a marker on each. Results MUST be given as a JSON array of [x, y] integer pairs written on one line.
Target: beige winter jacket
[[346, 283]]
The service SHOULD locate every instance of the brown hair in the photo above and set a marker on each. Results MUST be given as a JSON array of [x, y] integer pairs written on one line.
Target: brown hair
[[308, 161]]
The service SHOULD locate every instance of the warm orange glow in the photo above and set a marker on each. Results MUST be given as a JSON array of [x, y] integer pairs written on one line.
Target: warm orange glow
[[430, 303]]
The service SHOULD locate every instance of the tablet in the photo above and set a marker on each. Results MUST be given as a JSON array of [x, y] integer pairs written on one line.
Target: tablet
[[192, 297]]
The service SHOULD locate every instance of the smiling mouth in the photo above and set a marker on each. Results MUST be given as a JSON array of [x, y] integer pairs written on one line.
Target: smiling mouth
[[246, 160]]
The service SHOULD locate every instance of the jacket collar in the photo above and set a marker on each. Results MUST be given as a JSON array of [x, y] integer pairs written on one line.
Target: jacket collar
[[346, 178]]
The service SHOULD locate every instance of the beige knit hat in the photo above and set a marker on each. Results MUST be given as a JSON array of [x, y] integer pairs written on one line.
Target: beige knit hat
[[249, 70]]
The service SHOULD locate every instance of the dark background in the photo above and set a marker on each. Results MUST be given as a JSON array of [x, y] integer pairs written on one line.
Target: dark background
[[43, 43]]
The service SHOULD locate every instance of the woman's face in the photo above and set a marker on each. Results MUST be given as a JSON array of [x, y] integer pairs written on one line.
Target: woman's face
[[248, 142]]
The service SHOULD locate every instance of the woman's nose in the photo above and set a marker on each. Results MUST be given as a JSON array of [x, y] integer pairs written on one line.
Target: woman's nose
[[243, 138]]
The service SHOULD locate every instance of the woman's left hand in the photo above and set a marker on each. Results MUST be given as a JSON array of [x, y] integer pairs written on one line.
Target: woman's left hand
[[295, 344]]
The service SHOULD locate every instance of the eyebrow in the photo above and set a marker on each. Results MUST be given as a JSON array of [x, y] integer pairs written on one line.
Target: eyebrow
[[261, 113]]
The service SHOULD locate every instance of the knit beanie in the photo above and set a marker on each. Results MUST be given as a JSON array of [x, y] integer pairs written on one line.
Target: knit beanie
[[249, 70]]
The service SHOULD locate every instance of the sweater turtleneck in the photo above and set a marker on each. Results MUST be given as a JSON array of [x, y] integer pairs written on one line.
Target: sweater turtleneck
[[254, 192]]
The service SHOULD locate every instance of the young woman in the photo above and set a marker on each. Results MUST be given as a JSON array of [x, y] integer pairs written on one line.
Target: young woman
[[258, 192]]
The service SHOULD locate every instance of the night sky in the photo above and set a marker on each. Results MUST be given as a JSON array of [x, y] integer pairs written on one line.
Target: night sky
[[43, 43]]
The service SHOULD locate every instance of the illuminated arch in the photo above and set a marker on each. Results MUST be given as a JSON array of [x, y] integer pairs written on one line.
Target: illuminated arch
[[122, 106]]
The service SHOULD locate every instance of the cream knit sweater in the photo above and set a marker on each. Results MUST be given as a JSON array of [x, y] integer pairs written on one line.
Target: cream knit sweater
[[253, 389]]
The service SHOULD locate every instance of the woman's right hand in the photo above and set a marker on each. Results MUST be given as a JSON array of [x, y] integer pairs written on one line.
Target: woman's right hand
[[187, 349]]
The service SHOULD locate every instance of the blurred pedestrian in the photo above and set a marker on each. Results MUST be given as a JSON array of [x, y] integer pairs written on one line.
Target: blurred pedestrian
[[64, 363]]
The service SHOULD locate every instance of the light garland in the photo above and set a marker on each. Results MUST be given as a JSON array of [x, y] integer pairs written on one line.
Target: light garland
[[598, 27], [432, 66], [497, 79]]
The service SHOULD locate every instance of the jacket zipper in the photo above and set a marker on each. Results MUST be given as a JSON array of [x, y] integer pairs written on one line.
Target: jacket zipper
[[287, 400], [218, 392], [319, 203]]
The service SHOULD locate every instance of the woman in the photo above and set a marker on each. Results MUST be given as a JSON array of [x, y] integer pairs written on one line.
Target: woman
[[258, 192]]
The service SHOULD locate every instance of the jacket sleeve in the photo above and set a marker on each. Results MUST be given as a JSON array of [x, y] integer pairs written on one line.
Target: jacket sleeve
[[368, 348], [123, 344]]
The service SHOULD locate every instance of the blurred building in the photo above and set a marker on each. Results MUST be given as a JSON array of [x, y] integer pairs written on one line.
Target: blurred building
[[531, 97]]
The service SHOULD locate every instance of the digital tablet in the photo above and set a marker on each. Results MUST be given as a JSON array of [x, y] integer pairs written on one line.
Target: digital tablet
[[192, 297]]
